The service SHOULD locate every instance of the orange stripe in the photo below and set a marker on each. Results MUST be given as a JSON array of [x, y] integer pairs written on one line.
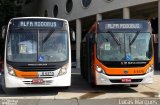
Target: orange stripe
[[21, 74]]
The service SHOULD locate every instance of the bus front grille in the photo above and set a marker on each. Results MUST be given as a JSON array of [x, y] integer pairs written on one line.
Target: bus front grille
[[29, 82]]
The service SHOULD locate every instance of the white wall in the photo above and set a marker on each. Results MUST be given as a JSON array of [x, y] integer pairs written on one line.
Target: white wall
[[78, 11]]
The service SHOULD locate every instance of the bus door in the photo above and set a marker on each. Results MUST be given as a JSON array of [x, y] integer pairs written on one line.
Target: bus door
[[83, 59], [90, 55]]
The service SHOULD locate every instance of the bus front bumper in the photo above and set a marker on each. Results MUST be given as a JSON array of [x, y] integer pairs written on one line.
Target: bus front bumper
[[15, 82], [103, 79]]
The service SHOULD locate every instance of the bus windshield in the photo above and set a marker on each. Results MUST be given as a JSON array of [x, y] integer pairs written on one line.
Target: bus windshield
[[121, 46], [37, 45]]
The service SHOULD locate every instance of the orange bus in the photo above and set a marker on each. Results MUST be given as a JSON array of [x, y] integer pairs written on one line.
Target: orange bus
[[118, 52]]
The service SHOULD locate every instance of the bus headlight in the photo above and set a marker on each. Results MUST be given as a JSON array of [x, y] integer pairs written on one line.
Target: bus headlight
[[11, 70], [150, 69], [63, 70], [100, 70]]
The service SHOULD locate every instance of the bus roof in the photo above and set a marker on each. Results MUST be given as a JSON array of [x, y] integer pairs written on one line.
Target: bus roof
[[123, 20], [38, 18]]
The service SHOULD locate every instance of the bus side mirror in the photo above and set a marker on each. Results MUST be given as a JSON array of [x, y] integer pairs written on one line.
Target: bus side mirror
[[73, 36], [4, 30]]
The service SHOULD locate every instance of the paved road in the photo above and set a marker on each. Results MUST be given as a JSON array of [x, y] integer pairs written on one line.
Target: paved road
[[81, 93], [120, 101]]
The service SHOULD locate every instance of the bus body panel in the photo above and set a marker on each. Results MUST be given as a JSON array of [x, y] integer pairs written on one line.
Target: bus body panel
[[18, 81], [59, 81], [114, 76], [125, 72], [102, 79]]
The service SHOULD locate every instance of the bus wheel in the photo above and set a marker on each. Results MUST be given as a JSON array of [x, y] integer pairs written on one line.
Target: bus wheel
[[5, 90], [91, 80], [136, 85], [93, 85]]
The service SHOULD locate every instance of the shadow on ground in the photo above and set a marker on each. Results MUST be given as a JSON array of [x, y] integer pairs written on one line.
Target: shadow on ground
[[21, 92], [79, 85]]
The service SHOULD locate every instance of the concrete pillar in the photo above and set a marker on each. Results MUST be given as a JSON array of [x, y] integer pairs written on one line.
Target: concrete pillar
[[78, 42], [126, 13], [159, 31], [98, 17]]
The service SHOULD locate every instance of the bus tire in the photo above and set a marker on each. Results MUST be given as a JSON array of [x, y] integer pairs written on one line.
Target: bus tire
[[3, 86], [93, 85], [82, 73], [91, 79], [4, 89]]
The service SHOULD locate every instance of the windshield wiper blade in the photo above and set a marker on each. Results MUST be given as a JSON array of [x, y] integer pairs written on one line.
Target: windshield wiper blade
[[48, 36], [113, 36], [130, 43]]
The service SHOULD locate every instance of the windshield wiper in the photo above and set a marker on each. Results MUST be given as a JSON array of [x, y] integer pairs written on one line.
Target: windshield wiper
[[116, 40], [113, 36], [130, 43], [48, 36]]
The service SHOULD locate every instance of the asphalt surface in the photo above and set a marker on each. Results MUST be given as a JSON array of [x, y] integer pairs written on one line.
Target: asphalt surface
[[120, 101], [81, 93]]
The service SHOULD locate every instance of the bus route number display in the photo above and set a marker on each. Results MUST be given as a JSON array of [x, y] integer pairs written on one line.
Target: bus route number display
[[123, 26], [37, 24]]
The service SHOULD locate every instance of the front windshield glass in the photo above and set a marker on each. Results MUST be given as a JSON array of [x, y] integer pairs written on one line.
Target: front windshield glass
[[124, 46], [52, 46], [31, 45]]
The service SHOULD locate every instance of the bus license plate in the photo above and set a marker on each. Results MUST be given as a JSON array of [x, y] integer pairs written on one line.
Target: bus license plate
[[126, 80], [47, 73], [37, 81]]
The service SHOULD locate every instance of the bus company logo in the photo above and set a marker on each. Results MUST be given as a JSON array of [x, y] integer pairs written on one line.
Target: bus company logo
[[125, 71], [124, 63]]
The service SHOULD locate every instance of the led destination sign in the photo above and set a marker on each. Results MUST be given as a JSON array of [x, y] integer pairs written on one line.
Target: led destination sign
[[37, 23], [123, 26]]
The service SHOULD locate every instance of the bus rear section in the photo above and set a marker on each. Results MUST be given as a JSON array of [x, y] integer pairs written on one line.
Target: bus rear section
[[37, 53], [118, 52]]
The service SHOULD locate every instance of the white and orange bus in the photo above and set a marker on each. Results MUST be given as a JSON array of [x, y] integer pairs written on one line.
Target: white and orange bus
[[37, 53], [118, 52]]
